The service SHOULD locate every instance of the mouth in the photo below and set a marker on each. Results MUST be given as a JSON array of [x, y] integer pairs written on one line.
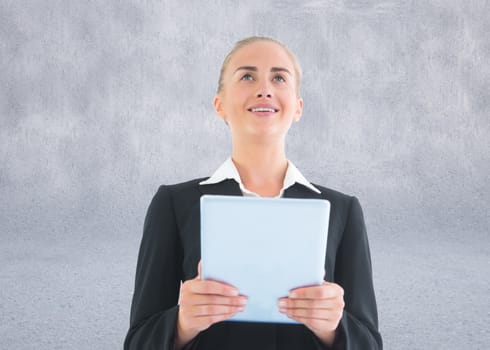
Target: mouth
[[263, 110]]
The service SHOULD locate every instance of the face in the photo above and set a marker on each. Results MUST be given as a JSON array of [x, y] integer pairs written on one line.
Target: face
[[259, 99]]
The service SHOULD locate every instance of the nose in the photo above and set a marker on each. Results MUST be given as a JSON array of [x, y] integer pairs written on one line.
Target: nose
[[264, 90], [268, 95]]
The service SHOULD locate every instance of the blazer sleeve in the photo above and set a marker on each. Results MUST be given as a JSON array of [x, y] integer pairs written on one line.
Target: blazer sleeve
[[158, 273], [359, 324]]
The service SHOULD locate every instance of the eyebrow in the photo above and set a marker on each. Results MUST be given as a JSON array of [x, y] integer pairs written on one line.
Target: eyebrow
[[255, 69]]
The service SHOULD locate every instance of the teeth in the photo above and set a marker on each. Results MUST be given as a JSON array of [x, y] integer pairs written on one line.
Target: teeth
[[272, 110]]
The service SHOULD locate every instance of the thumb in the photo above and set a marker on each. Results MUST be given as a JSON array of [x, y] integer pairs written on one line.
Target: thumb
[[199, 270]]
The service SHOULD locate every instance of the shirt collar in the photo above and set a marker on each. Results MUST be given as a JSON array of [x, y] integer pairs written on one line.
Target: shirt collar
[[228, 170]]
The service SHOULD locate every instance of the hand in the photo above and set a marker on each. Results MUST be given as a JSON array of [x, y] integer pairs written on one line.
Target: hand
[[203, 303], [319, 308]]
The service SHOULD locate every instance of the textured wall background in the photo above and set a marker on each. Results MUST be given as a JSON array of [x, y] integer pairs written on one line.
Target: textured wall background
[[102, 101]]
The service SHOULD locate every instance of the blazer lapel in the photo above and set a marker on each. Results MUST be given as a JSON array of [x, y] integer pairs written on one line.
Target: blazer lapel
[[227, 187]]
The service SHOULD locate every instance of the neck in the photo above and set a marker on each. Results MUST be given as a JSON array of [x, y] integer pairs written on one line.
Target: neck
[[262, 167]]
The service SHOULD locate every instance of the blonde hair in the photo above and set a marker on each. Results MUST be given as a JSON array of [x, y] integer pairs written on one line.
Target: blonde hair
[[254, 39]]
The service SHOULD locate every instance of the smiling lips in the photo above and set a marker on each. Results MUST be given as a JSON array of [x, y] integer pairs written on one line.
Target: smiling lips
[[263, 110]]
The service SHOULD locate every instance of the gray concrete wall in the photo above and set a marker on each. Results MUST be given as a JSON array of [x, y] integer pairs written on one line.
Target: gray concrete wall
[[102, 101]]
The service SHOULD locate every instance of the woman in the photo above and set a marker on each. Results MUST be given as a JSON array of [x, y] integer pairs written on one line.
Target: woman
[[259, 99]]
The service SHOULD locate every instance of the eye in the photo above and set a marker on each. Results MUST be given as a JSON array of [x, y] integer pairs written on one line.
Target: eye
[[247, 76], [279, 78]]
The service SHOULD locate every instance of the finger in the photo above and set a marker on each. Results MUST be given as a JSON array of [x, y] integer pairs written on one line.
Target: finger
[[213, 299], [319, 314], [206, 321], [213, 287], [213, 310], [203, 322], [199, 270], [325, 291], [332, 303]]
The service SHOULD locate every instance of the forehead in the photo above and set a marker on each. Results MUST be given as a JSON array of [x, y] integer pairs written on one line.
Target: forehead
[[262, 54]]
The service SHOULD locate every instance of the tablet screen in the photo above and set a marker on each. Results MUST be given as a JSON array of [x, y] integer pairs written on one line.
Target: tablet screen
[[264, 247]]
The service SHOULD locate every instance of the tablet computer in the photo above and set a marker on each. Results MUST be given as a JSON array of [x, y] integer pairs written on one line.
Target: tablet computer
[[264, 247]]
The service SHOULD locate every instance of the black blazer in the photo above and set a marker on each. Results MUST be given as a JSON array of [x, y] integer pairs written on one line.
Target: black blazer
[[170, 251]]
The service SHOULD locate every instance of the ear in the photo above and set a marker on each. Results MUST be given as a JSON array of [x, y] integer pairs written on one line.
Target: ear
[[299, 110], [218, 107]]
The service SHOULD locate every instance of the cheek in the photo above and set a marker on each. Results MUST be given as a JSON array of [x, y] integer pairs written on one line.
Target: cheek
[[288, 98], [238, 97]]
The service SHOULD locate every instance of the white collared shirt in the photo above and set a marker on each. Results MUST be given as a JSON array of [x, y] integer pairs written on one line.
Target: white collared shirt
[[228, 170]]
